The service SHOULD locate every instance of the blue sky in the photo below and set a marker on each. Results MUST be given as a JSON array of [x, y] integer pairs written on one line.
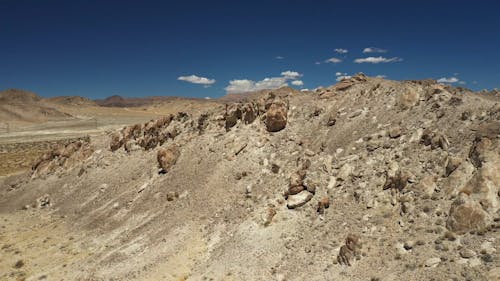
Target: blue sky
[[143, 48]]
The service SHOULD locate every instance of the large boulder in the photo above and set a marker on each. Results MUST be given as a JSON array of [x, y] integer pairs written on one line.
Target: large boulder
[[467, 215], [116, 141], [458, 178], [484, 186], [167, 157], [249, 113], [232, 115], [276, 116], [408, 99]]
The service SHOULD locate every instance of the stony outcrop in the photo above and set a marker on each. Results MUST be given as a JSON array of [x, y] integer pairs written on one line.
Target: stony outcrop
[[167, 157], [64, 156], [467, 215]]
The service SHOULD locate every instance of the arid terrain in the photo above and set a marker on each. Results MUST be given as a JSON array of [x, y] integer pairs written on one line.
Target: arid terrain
[[368, 179]]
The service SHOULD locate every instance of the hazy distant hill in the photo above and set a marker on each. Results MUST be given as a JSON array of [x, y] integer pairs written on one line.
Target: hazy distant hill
[[24, 106], [119, 101], [72, 100]]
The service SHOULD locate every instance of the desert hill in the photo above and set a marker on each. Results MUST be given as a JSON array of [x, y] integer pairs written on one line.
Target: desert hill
[[119, 101], [368, 179], [72, 101], [24, 106]]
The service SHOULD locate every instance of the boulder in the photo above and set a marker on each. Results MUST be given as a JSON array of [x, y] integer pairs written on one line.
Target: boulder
[[276, 116], [249, 113], [395, 132], [484, 186], [427, 185], [408, 99], [232, 115], [298, 200], [466, 215], [116, 141], [167, 157], [458, 178]]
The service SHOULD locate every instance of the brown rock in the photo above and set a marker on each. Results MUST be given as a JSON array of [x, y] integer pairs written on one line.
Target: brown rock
[[276, 117], [408, 99], [297, 178], [116, 141], [295, 189], [484, 187], [323, 204], [249, 112], [427, 185], [232, 115], [167, 157], [466, 215], [395, 132]]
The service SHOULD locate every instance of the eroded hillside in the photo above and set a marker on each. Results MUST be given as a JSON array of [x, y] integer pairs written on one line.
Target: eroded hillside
[[270, 189]]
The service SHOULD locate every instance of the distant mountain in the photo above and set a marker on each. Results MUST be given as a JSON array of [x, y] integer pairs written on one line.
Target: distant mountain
[[119, 101], [72, 101]]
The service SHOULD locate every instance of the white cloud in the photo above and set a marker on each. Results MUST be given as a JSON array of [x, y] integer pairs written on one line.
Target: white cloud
[[462, 82], [333, 60], [246, 85], [341, 76], [316, 63], [279, 57], [197, 80], [381, 76], [208, 98], [376, 60], [373, 50], [448, 80], [341, 51], [291, 74]]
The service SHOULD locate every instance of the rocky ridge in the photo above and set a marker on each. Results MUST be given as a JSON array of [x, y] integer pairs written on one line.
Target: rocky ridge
[[269, 189]]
